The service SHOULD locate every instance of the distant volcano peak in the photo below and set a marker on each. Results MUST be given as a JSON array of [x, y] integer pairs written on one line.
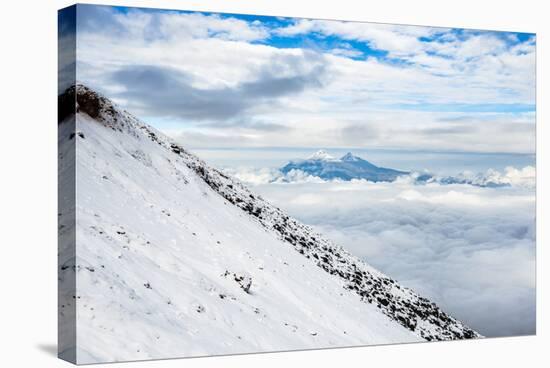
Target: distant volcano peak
[[348, 167]]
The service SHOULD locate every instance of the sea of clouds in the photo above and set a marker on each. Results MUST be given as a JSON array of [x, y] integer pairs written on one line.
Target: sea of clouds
[[511, 176], [469, 248]]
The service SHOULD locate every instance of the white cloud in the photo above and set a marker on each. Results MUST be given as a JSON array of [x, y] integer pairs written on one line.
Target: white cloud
[[523, 178], [182, 26], [254, 176], [397, 40], [196, 25], [346, 50], [358, 125], [477, 46], [482, 57]]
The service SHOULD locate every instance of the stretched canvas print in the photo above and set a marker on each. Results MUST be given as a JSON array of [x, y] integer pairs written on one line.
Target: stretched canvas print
[[236, 184]]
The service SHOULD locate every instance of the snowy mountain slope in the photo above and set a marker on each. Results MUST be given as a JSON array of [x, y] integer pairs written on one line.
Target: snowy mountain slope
[[174, 258], [321, 164], [66, 238]]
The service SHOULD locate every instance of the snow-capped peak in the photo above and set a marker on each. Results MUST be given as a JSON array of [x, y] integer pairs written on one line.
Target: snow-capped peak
[[322, 155], [348, 157]]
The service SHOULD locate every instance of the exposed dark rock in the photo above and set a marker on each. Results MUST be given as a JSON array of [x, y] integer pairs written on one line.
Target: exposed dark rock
[[244, 281]]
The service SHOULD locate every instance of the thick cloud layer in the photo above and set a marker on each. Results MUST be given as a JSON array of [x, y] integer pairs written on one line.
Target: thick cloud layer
[[521, 178], [470, 249]]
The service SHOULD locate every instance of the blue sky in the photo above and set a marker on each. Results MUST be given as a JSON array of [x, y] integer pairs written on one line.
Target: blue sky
[[243, 80]]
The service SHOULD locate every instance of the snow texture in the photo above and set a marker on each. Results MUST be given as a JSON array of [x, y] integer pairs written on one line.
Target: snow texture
[[174, 258]]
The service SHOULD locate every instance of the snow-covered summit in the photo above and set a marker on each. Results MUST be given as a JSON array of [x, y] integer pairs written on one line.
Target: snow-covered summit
[[349, 157], [322, 155], [175, 258]]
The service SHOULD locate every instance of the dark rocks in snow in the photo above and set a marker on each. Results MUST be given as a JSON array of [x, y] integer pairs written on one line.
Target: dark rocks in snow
[[80, 134], [88, 102], [175, 148], [385, 302], [244, 281], [79, 98], [147, 285], [470, 334], [69, 266], [153, 137], [66, 104]]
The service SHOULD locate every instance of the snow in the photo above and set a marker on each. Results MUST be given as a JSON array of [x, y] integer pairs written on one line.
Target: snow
[[349, 157], [176, 259], [322, 155]]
